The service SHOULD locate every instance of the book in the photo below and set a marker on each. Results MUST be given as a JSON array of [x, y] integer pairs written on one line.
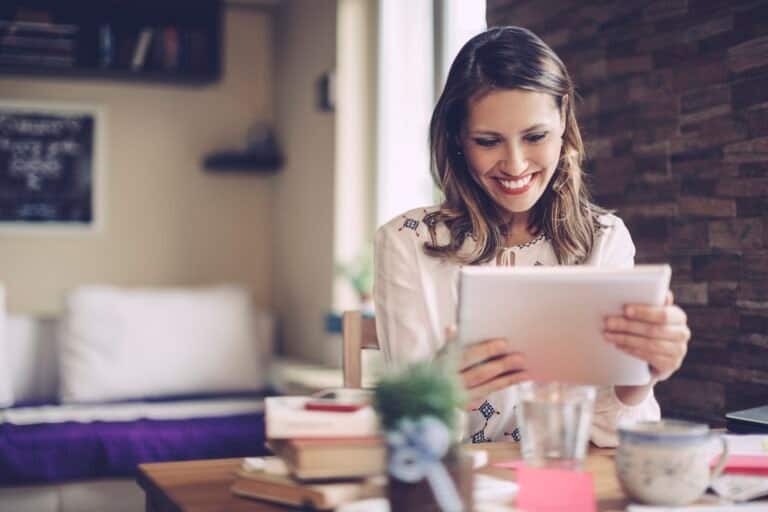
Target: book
[[287, 417], [34, 28], [106, 46], [168, 58], [37, 60], [142, 45], [315, 459], [321, 496]]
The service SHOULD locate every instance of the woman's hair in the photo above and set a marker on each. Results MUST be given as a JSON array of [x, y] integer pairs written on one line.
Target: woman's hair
[[507, 58]]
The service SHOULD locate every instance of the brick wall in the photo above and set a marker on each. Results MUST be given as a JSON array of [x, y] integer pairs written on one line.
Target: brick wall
[[674, 111]]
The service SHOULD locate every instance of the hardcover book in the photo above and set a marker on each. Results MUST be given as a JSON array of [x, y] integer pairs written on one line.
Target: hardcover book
[[313, 459], [321, 496]]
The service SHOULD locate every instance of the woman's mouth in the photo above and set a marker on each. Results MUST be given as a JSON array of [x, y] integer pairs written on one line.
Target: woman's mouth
[[516, 186]]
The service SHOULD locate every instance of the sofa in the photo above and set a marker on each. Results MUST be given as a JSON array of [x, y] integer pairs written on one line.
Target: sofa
[[125, 376]]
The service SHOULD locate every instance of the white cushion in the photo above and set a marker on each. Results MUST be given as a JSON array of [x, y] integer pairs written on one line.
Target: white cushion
[[135, 343], [34, 358], [6, 391]]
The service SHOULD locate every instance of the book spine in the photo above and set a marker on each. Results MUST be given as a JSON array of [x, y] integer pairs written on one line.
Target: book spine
[[37, 28], [142, 46], [106, 46], [37, 60], [57, 43], [170, 54]]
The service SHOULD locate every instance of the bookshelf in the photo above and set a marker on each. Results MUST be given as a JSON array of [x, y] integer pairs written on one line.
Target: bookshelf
[[155, 40]]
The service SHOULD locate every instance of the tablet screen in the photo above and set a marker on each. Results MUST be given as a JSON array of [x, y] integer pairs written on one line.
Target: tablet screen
[[554, 315]]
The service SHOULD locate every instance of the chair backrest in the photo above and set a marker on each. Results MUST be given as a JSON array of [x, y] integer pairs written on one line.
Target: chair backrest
[[357, 333]]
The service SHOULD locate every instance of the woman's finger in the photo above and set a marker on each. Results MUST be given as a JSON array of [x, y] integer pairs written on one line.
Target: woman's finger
[[660, 315], [480, 393], [676, 333], [491, 369], [621, 325], [479, 352], [648, 348]]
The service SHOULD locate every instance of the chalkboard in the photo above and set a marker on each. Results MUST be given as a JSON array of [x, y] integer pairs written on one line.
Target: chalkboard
[[47, 165]]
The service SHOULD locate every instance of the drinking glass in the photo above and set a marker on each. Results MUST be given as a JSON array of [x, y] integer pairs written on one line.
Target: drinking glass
[[554, 419]]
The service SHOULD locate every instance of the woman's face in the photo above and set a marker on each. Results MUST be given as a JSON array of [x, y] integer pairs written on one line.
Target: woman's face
[[512, 140]]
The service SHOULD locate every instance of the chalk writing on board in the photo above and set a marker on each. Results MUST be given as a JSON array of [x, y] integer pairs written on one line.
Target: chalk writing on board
[[46, 166]]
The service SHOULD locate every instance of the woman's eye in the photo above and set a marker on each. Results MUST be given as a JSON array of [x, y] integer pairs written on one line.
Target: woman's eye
[[535, 137], [486, 142]]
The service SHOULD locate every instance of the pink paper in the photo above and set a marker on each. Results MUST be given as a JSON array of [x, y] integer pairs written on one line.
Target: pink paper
[[550, 490], [751, 464]]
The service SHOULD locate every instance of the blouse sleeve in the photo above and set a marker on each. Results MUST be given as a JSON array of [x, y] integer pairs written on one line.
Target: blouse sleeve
[[614, 248], [402, 316]]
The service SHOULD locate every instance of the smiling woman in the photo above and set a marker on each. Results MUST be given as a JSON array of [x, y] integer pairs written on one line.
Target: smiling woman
[[512, 159], [507, 154]]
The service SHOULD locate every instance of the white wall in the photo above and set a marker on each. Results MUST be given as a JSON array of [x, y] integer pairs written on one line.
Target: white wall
[[305, 48]]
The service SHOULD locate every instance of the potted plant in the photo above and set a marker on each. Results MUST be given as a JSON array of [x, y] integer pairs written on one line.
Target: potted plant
[[359, 274], [418, 408]]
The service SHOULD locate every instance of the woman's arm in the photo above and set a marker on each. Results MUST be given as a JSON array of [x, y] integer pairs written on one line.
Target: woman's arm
[[404, 320], [408, 287]]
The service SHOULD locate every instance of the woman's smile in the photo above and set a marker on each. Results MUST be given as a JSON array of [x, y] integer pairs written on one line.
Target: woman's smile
[[517, 186]]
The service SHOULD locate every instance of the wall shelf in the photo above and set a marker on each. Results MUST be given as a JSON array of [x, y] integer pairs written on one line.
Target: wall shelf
[[171, 41], [234, 161]]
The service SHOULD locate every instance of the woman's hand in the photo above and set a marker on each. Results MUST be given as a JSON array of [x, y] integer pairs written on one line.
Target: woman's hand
[[656, 334], [489, 366]]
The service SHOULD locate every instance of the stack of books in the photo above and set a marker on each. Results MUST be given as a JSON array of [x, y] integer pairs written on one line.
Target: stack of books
[[31, 43], [326, 453]]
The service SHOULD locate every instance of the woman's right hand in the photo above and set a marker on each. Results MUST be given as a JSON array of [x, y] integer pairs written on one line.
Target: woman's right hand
[[489, 366]]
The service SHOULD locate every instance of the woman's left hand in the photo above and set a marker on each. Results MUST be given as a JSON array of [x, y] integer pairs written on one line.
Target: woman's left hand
[[656, 334]]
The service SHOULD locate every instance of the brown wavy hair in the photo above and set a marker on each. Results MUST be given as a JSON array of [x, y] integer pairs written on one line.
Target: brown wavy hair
[[507, 58]]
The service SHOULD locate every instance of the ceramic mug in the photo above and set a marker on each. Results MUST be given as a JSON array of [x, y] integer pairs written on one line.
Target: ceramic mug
[[667, 462]]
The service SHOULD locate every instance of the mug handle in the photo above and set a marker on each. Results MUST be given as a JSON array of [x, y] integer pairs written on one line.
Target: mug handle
[[718, 469]]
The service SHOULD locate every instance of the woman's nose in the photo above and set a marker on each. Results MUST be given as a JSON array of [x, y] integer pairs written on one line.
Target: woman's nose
[[516, 162]]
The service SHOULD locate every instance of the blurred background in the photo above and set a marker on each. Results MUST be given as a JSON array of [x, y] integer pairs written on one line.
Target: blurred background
[[260, 142]]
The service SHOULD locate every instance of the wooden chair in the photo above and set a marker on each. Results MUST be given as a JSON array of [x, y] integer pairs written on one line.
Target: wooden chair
[[357, 333]]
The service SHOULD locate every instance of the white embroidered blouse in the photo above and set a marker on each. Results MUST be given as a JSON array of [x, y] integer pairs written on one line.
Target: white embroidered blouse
[[415, 298]]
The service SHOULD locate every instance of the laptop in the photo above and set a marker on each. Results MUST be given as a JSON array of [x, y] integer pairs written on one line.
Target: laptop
[[748, 421]]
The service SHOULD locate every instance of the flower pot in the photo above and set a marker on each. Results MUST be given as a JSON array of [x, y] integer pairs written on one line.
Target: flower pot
[[404, 496]]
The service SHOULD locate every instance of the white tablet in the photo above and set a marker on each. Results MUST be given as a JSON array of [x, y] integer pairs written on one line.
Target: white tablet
[[554, 315]]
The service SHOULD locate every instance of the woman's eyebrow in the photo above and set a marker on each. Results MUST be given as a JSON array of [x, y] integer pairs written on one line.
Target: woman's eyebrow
[[532, 128], [535, 127], [484, 132]]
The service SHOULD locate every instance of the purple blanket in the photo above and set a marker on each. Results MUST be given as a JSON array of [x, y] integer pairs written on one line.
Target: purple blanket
[[70, 451]]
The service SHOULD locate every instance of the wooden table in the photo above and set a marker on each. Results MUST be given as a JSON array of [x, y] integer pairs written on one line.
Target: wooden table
[[203, 486]]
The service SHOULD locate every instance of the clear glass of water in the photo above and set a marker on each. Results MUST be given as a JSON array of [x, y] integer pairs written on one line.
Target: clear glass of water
[[554, 419]]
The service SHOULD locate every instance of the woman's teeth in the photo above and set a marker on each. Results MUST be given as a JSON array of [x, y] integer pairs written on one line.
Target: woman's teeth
[[516, 184]]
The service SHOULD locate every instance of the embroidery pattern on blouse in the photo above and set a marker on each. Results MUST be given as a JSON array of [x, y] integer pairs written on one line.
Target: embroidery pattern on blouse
[[487, 411], [529, 243], [515, 434], [413, 224], [410, 223]]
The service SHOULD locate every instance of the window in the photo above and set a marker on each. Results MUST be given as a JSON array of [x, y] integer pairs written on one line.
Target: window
[[417, 42]]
